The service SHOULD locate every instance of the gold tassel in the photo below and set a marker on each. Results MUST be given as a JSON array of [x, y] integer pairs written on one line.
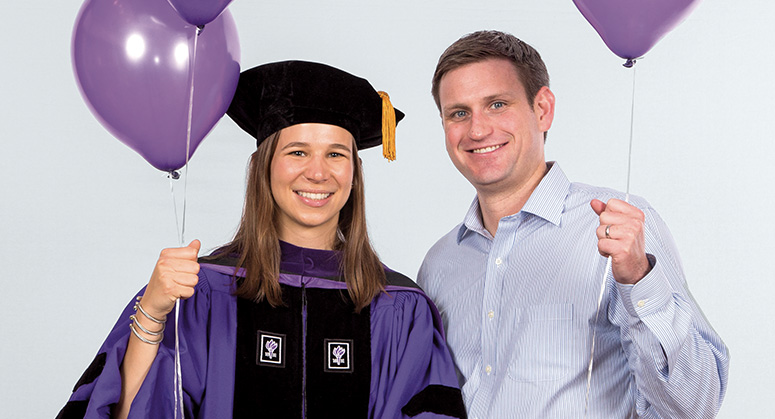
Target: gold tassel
[[388, 127]]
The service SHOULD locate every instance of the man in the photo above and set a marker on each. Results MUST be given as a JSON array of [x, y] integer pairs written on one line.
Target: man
[[518, 281]]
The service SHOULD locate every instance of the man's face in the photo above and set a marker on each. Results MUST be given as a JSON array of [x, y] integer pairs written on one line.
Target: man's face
[[494, 136]]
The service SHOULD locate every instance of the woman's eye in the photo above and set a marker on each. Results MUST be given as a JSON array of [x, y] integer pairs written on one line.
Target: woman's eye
[[340, 155], [296, 153]]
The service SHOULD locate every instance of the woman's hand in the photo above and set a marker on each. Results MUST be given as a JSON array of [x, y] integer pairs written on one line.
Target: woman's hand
[[174, 276]]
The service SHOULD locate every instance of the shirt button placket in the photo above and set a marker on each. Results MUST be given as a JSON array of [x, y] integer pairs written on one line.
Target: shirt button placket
[[495, 270], [491, 325]]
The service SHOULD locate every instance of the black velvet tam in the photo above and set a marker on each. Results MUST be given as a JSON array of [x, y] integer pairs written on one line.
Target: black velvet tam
[[274, 96]]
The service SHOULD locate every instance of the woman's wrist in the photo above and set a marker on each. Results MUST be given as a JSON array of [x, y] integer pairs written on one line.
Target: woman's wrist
[[145, 326], [147, 311]]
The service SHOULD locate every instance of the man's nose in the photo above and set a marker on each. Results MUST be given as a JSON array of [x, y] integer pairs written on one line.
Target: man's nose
[[480, 127]]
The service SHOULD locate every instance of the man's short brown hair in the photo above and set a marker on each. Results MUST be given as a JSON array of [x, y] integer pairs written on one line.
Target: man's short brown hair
[[484, 45]]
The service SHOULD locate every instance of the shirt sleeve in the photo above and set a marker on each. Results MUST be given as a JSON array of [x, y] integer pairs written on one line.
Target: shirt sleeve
[[679, 363], [98, 390], [412, 370]]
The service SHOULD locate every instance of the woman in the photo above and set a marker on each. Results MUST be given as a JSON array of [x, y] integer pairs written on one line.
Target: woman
[[296, 317]]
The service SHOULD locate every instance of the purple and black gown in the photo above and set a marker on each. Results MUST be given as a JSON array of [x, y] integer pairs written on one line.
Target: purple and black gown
[[314, 357]]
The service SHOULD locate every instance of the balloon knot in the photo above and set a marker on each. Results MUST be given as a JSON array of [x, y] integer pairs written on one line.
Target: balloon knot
[[199, 29], [174, 174], [630, 62]]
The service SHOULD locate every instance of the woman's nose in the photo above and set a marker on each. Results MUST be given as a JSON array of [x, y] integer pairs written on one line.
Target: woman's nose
[[316, 169]]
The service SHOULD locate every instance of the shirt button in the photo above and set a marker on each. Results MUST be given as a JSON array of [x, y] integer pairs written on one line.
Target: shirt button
[[641, 303], [488, 369], [491, 314], [498, 261]]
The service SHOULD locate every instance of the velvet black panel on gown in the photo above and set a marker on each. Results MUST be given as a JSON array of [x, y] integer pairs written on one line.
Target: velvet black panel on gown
[[332, 323], [336, 382], [263, 390]]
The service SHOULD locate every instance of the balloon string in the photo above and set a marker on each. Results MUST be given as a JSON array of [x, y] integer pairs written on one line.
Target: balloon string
[[174, 175], [632, 125], [610, 260], [178, 377]]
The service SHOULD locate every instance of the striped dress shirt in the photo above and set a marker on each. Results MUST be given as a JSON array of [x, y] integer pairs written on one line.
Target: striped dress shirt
[[519, 310]]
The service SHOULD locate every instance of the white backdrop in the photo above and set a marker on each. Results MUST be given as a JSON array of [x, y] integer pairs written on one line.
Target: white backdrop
[[82, 217]]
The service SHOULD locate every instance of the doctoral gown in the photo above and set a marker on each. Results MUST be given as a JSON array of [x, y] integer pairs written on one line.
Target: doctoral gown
[[313, 357]]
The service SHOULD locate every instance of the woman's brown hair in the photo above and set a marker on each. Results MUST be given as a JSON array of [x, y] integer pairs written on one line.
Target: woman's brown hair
[[257, 241]]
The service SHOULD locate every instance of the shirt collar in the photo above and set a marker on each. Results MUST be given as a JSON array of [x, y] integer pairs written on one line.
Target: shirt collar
[[546, 201]]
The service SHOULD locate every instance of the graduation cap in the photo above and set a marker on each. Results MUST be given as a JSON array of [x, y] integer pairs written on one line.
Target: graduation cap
[[274, 96]]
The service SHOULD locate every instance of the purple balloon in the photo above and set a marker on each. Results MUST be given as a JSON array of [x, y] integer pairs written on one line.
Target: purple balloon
[[131, 62], [631, 27], [199, 12]]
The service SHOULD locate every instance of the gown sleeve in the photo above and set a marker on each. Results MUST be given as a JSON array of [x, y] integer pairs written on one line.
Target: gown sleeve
[[98, 390], [412, 371]]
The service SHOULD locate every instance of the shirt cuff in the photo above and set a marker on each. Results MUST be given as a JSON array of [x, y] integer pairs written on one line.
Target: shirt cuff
[[649, 295]]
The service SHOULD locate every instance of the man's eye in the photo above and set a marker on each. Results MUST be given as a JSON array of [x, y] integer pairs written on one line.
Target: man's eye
[[459, 114], [498, 105]]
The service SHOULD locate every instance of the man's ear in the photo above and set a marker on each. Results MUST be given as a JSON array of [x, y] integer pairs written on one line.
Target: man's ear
[[543, 107]]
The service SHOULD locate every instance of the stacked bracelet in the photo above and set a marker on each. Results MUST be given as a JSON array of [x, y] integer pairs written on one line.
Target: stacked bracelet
[[137, 324], [151, 318], [152, 342]]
